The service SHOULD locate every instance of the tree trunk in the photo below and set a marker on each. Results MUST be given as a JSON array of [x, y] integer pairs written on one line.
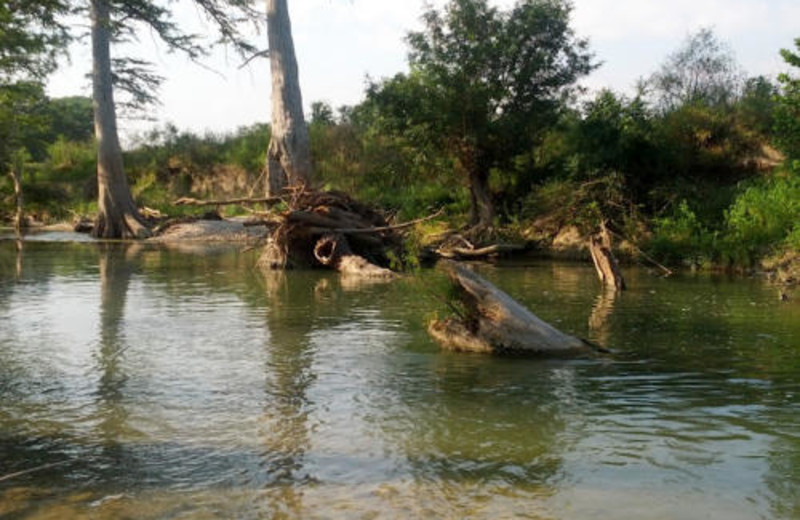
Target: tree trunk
[[481, 212], [481, 209], [16, 178], [605, 262], [117, 215], [289, 153]]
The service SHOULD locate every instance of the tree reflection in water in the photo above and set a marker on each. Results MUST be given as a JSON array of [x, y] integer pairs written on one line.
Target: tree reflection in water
[[285, 429]]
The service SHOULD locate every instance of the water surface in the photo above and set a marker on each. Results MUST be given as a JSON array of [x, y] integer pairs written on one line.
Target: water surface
[[154, 383]]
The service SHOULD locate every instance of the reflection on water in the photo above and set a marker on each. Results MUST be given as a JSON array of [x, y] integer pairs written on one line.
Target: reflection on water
[[151, 383]]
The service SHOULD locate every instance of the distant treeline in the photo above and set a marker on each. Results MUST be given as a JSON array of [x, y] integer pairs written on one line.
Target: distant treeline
[[701, 165]]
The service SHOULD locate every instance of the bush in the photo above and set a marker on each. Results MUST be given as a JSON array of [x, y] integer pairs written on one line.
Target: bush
[[681, 238], [765, 216]]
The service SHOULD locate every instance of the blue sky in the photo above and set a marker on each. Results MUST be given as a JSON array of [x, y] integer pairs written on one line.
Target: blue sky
[[341, 42]]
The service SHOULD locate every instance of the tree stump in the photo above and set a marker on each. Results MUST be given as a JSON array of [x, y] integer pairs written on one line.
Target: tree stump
[[605, 262]]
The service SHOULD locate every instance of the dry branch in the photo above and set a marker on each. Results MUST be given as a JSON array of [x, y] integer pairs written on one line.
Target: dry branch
[[188, 201], [463, 252]]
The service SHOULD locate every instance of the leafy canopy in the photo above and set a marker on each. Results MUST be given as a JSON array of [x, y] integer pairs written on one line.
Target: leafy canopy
[[31, 37], [490, 74]]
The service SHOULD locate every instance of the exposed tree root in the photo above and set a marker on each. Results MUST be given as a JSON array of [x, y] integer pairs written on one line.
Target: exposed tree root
[[330, 229]]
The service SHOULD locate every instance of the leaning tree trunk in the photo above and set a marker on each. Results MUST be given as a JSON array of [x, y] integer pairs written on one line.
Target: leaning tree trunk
[[117, 215], [289, 153]]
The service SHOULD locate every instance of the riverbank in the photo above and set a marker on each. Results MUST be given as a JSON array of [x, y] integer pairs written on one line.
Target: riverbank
[[567, 244]]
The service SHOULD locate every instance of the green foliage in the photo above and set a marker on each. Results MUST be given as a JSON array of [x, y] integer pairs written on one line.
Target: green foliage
[[765, 216], [787, 116], [483, 85], [71, 118], [31, 37], [22, 120], [707, 142], [682, 238], [756, 107], [135, 77], [617, 136], [64, 182]]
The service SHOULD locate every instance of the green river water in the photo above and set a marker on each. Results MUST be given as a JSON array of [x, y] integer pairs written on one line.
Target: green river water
[[138, 381]]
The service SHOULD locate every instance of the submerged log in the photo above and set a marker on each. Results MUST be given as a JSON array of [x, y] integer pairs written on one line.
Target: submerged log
[[493, 322]]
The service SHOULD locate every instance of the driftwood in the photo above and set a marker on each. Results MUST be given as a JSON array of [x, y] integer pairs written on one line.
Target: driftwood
[[605, 262], [493, 322], [333, 250]]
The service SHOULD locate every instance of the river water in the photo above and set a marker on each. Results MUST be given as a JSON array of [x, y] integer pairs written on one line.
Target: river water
[[143, 382]]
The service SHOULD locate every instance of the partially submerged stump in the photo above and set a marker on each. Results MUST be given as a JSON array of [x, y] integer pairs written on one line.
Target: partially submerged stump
[[495, 323], [605, 262]]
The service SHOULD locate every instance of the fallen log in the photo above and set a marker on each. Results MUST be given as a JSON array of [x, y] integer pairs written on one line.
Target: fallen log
[[493, 322]]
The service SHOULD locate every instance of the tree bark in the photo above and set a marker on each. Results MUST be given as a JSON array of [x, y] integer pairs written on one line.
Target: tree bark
[[605, 262], [289, 152], [16, 178], [117, 215], [481, 209]]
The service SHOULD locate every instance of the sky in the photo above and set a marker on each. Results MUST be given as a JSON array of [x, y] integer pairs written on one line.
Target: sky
[[341, 43]]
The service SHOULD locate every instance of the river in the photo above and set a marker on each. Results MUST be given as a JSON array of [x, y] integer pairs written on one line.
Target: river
[[139, 381]]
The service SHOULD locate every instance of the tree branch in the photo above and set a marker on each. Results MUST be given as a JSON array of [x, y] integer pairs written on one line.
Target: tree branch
[[188, 201]]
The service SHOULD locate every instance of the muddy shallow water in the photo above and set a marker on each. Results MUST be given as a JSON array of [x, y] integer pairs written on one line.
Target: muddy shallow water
[[142, 382]]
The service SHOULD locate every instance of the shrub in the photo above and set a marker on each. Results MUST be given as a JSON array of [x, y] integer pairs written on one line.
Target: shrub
[[763, 217], [682, 238]]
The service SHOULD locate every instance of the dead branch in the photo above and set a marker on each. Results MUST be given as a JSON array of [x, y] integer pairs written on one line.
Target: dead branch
[[496, 249], [395, 227], [188, 201], [667, 271]]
